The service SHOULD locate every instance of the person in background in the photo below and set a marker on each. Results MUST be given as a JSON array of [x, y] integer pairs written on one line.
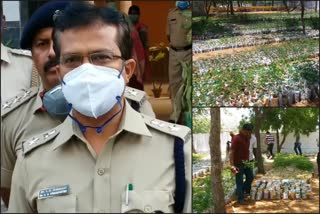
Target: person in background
[[252, 157], [229, 145], [141, 47], [180, 51], [239, 154], [16, 69], [297, 146], [269, 140]]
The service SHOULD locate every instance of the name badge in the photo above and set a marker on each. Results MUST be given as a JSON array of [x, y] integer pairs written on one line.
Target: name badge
[[53, 191]]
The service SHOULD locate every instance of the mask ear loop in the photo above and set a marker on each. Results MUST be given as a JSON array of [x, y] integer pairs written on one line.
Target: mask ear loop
[[123, 67], [98, 128]]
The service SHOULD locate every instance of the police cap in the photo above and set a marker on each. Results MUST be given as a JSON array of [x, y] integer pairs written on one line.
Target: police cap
[[41, 18]]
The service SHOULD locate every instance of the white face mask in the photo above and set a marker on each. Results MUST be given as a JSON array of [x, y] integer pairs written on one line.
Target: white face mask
[[93, 90]]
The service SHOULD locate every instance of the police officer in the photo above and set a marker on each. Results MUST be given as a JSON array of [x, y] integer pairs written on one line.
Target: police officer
[[107, 157], [39, 109], [16, 69], [180, 50]]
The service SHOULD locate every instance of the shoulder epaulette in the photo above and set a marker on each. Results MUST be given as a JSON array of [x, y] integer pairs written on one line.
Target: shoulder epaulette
[[176, 130], [21, 52], [38, 140], [16, 101], [135, 95]]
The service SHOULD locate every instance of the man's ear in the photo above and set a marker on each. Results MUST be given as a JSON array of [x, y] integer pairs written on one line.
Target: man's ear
[[129, 68]]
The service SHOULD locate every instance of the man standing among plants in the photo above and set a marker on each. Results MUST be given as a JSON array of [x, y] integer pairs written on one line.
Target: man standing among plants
[[239, 155]]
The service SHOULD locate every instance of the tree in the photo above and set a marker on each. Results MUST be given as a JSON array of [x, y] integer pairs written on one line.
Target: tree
[[290, 120], [258, 117], [302, 16], [216, 163], [206, 7]]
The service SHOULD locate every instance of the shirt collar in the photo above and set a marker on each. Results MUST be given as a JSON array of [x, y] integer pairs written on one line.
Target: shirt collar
[[131, 121], [5, 54]]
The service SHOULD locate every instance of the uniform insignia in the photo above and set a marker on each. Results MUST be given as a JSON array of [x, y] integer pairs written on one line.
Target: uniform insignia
[[36, 141], [135, 95], [176, 130], [21, 52], [16, 101], [54, 191]]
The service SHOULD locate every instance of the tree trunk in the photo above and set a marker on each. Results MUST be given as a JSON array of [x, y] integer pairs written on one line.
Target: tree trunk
[[272, 3], [216, 163], [258, 119], [193, 149], [302, 17], [316, 6], [238, 3], [207, 6], [283, 140], [231, 7], [278, 141]]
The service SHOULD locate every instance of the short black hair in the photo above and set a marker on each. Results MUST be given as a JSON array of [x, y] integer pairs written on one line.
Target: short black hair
[[268, 132], [134, 8], [79, 14], [247, 126]]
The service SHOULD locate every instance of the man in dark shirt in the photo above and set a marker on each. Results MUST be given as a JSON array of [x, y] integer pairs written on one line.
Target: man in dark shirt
[[240, 152]]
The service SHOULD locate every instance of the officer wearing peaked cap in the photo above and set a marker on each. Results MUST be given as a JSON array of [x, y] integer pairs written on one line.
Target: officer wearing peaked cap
[[126, 161], [39, 109]]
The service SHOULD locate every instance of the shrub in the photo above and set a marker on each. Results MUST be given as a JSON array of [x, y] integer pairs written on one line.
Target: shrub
[[300, 162], [197, 157], [202, 194]]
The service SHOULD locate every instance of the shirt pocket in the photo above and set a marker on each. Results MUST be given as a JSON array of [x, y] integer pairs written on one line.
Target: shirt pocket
[[147, 202], [58, 204], [173, 24]]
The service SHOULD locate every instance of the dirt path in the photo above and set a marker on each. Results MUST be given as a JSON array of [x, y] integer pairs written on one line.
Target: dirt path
[[227, 51], [283, 206]]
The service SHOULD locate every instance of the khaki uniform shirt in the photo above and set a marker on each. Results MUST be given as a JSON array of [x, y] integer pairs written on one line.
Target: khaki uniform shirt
[[60, 172], [16, 72], [175, 29], [22, 118]]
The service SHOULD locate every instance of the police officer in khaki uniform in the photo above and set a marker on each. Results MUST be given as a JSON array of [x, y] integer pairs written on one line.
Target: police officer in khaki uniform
[[180, 50], [16, 69], [107, 157], [33, 111], [16, 72]]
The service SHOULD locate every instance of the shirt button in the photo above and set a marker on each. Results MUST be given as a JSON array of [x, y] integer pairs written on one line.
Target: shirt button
[[101, 171], [148, 208]]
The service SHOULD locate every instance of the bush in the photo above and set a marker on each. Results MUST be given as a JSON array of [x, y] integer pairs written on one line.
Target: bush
[[197, 157], [300, 162], [202, 194]]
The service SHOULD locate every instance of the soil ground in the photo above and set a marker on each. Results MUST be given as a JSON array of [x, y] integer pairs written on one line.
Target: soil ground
[[283, 206]]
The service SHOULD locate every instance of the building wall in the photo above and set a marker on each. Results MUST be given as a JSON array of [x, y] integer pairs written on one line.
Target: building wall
[[154, 15], [308, 146]]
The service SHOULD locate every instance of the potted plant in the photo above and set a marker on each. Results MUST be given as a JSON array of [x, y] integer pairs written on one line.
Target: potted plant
[[158, 53]]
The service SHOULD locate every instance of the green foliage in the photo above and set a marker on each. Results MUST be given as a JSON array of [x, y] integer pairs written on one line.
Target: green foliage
[[201, 124], [309, 71], [201, 194], [300, 162], [197, 157], [202, 191], [188, 25]]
